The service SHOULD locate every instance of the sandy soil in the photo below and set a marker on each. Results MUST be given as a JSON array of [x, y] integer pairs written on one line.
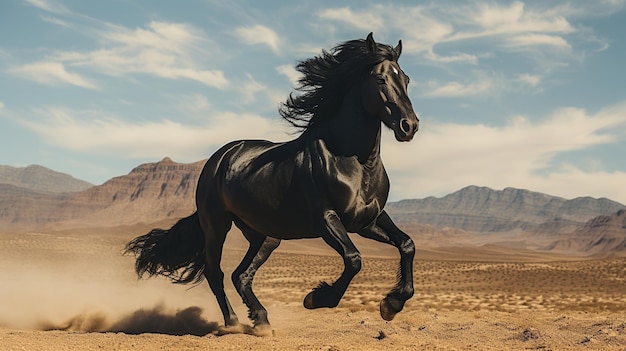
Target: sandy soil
[[76, 292]]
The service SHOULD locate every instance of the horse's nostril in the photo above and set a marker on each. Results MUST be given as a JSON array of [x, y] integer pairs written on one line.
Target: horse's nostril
[[405, 126]]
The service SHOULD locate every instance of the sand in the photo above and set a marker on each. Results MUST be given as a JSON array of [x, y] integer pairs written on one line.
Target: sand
[[77, 292]]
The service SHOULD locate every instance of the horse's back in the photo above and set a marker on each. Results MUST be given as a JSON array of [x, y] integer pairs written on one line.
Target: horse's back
[[262, 184]]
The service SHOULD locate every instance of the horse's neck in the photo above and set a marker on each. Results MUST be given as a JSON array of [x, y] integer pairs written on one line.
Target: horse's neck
[[352, 133]]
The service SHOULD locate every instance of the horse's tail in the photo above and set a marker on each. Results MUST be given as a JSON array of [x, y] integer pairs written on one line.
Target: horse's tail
[[177, 253]]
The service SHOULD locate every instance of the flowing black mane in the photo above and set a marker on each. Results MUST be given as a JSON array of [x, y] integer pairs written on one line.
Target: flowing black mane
[[324, 79]]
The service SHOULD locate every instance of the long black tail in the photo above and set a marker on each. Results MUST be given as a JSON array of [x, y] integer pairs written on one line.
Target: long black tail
[[177, 253]]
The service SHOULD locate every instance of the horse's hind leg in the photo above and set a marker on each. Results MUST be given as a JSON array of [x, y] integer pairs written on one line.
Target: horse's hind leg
[[215, 229], [335, 235], [261, 247]]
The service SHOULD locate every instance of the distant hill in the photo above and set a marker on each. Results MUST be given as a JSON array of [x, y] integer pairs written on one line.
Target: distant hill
[[41, 179], [149, 193], [602, 235], [481, 209]]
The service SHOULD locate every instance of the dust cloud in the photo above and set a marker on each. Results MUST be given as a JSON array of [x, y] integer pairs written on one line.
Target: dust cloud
[[47, 301], [158, 319], [52, 283]]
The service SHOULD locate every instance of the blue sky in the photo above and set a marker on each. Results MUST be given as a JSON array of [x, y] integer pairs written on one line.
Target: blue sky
[[523, 94]]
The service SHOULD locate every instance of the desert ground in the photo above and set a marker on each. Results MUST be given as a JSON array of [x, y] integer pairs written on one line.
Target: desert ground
[[76, 291]]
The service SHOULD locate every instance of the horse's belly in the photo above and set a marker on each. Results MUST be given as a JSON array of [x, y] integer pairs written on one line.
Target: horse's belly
[[276, 211], [280, 225]]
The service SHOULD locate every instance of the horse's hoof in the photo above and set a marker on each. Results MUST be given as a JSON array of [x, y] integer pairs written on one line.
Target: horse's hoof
[[322, 296], [231, 322], [308, 301], [263, 330], [231, 329], [386, 310]]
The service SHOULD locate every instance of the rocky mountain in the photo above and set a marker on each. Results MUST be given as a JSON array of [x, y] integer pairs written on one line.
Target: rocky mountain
[[481, 209], [149, 193], [41, 179], [602, 235]]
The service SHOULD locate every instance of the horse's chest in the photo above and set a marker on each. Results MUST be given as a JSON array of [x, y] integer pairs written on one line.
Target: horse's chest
[[360, 200]]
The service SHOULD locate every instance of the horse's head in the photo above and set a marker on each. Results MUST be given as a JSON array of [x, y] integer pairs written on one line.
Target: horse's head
[[386, 94]]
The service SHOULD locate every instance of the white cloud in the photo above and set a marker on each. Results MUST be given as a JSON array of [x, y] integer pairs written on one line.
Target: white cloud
[[514, 27], [1, 105], [364, 20], [55, 21], [275, 99], [590, 8], [530, 79], [48, 5], [51, 73], [494, 16], [194, 103], [251, 88], [456, 89], [570, 182], [264, 96], [291, 73], [445, 157], [517, 28], [161, 36], [94, 132], [496, 19], [153, 62], [461, 57], [259, 34], [163, 49], [537, 40], [421, 30]]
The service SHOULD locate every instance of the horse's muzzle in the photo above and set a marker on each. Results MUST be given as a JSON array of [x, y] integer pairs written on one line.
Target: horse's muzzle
[[406, 128]]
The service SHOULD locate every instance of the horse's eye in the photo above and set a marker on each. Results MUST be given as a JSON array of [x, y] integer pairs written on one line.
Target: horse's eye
[[380, 79]]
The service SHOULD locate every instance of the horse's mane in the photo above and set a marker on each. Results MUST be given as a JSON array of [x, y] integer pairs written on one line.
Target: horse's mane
[[324, 78]]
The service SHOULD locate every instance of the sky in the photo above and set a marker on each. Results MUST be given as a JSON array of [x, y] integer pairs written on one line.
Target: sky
[[529, 95]]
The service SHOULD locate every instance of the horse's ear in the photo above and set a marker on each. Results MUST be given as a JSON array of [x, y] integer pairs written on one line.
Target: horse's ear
[[398, 49], [371, 44]]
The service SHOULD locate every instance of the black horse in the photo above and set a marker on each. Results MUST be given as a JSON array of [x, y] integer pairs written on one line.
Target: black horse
[[327, 182]]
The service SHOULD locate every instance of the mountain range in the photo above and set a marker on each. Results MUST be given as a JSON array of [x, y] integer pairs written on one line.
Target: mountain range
[[599, 235], [165, 190], [149, 193], [481, 209], [42, 179]]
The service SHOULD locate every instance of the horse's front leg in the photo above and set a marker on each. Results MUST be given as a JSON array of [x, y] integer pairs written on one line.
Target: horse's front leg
[[384, 230], [335, 235]]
